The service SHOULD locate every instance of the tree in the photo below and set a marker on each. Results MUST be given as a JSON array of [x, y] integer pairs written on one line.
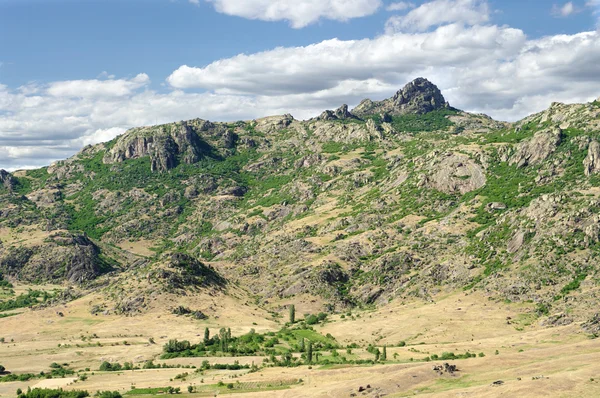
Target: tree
[[384, 355], [301, 344], [377, 355], [190, 389], [309, 352], [292, 313], [206, 336], [223, 339]]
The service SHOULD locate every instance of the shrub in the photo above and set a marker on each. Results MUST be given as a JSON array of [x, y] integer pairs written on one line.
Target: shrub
[[110, 367]]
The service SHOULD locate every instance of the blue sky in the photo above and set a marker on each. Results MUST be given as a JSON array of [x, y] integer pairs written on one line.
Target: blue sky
[[49, 40], [75, 72]]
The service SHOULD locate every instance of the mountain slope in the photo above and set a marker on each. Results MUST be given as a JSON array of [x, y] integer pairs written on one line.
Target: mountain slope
[[397, 199]]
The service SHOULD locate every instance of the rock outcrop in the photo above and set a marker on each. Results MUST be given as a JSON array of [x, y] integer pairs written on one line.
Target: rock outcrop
[[456, 173], [178, 271], [63, 255], [166, 145], [342, 113], [7, 180], [538, 148], [417, 97], [591, 164]]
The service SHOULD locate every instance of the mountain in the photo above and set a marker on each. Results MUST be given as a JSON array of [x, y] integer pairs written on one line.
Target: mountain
[[400, 199]]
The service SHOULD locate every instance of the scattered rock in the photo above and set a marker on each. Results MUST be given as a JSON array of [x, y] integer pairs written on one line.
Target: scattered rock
[[495, 206]]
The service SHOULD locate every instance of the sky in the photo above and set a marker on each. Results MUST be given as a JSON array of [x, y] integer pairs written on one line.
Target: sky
[[79, 72]]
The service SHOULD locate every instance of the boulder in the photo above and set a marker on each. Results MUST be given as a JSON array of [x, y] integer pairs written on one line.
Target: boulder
[[456, 173]]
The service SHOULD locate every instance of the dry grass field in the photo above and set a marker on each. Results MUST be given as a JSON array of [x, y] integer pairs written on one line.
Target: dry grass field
[[530, 360]]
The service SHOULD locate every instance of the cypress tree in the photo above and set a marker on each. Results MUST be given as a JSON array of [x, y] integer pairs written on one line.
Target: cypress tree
[[292, 313], [302, 344], [206, 336], [384, 355], [309, 352]]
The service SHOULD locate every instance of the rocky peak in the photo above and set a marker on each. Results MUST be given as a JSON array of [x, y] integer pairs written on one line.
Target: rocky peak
[[417, 97], [7, 180], [342, 113]]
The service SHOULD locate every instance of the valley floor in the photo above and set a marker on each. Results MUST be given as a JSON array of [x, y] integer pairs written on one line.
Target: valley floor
[[530, 360]]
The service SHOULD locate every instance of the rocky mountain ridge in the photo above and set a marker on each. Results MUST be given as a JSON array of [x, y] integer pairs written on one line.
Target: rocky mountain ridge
[[395, 200]]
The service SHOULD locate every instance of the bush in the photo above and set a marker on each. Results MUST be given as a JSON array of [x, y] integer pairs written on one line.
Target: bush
[[110, 367]]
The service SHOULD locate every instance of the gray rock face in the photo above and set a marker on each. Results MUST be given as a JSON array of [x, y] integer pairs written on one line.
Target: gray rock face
[[63, 255], [165, 145], [417, 97], [7, 180], [456, 173], [591, 163], [341, 113], [538, 148]]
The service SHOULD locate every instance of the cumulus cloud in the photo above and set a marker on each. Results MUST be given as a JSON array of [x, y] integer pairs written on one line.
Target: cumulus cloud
[[98, 88], [388, 58], [299, 13], [439, 12]]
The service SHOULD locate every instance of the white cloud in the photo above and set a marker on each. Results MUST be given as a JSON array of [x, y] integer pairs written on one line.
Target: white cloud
[[388, 58], [440, 12], [98, 88], [564, 10], [299, 13], [400, 6]]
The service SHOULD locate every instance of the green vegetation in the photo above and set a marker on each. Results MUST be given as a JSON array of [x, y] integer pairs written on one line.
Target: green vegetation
[[32, 297], [4, 284], [283, 342], [292, 313], [412, 123], [50, 393], [56, 371], [450, 356]]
